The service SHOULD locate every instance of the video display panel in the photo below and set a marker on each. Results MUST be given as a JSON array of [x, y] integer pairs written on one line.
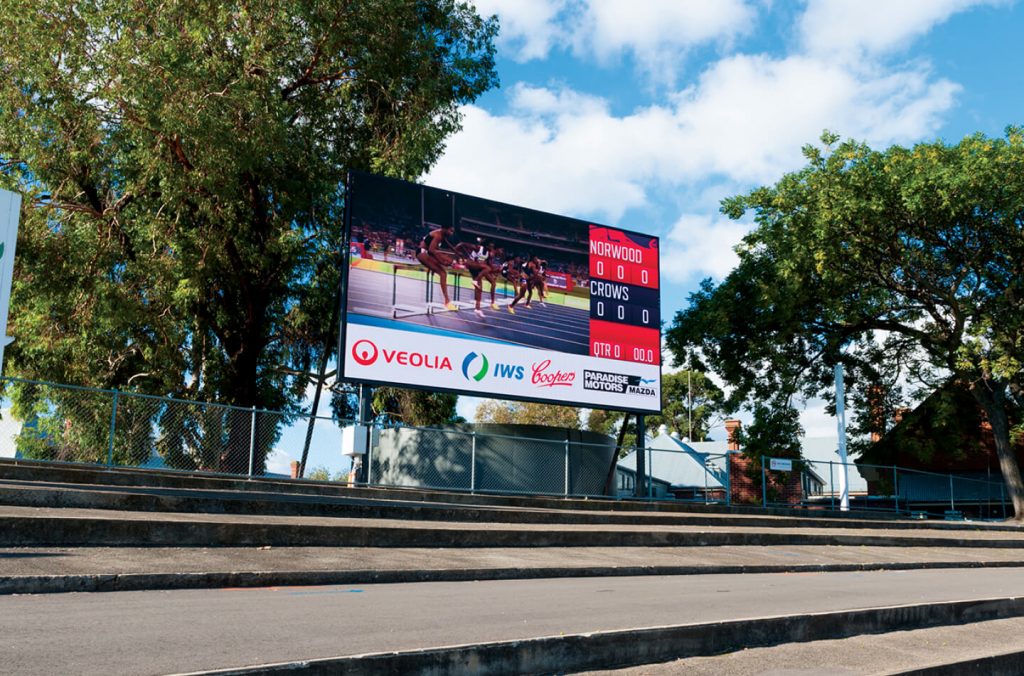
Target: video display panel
[[452, 292]]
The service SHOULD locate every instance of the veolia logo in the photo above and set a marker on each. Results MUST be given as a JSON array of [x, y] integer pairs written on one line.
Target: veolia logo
[[468, 362], [364, 352]]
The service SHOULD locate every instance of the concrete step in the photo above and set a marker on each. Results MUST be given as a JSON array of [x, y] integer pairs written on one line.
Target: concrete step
[[517, 626], [39, 570], [69, 473], [210, 501], [76, 486], [991, 647], [571, 653], [28, 526]]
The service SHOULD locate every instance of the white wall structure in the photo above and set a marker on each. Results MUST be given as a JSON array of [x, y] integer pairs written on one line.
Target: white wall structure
[[10, 211]]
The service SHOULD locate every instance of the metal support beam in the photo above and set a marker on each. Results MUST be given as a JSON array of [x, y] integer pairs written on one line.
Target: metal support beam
[[641, 459], [365, 419]]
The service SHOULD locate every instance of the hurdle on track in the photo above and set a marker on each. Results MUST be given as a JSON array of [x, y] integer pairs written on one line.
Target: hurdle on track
[[430, 306]]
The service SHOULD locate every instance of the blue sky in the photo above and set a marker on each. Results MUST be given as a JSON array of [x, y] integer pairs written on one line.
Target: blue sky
[[647, 113]]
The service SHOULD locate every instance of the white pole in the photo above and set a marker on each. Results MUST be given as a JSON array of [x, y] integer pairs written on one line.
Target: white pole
[[844, 490], [689, 406], [10, 212]]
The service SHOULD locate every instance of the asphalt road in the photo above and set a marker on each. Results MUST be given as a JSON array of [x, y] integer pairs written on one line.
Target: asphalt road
[[164, 632]]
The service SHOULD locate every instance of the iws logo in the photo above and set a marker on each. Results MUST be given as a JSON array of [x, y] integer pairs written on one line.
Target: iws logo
[[476, 367], [364, 352], [468, 361]]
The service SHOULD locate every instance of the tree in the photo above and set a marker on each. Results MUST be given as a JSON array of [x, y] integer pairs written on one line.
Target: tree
[[687, 397], [895, 261], [418, 408], [527, 413], [183, 167]]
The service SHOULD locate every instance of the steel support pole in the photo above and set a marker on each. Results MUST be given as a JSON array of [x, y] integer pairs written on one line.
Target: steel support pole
[[252, 440], [565, 492], [831, 486], [641, 460], [472, 464], [952, 502], [113, 429], [895, 489], [705, 480], [764, 485], [365, 415], [728, 480], [844, 485]]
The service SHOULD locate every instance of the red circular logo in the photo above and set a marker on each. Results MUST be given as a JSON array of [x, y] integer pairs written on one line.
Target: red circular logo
[[364, 352]]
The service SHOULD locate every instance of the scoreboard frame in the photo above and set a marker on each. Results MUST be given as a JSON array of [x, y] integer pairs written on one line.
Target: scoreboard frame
[[421, 351]]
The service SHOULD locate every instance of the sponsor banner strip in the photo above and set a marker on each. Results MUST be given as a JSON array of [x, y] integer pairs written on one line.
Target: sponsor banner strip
[[380, 354]]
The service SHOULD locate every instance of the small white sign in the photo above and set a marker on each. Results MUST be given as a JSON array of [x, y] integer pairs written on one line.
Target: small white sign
[[780, 465]]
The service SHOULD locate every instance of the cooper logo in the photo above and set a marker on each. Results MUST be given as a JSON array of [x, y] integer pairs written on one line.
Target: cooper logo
[[364, 352], [542, 377]]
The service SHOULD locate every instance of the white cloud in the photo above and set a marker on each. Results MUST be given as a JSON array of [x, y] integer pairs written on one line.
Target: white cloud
[[657, 33], [817, 421], [744, 121], [699, 244], [529, 28], [873, 26], [748, 116], [546, 155]]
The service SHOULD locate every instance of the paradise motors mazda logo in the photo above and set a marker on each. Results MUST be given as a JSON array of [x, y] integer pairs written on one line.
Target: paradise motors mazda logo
[[364, 352]]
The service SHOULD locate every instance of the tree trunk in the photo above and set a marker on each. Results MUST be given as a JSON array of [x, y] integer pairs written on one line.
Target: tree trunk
[[243, 396], [992, 399]]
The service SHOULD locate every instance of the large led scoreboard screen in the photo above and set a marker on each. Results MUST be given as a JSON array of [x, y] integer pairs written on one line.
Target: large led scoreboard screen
[[452, 292]]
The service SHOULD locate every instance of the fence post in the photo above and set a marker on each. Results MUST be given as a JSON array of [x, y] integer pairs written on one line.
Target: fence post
[[895, 489], [252, 440], [728, 481], [368, 458], [113, 428], [831, 486], [706, 458], [566, 492], [472, 463], [764, 485], [952, 503]]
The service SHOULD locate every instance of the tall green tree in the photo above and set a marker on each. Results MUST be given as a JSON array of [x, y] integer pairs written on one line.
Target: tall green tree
[[691, 405], [527, 413], [419, 408], [183, 165], [907, 259]]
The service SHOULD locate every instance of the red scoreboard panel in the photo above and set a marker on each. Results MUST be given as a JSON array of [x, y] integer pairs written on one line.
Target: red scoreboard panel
[[625, 310]]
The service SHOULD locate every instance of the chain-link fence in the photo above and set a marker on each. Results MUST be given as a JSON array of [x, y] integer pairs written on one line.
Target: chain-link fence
[[67, 423], [885, 488], [489, 462], [688, 475]]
